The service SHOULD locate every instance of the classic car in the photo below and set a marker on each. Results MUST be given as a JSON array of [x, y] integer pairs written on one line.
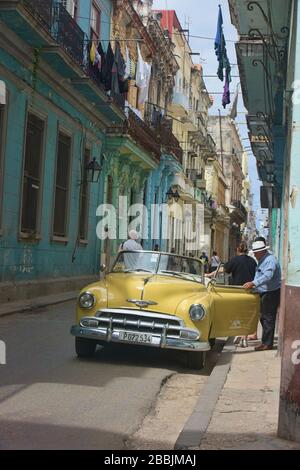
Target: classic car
[[160, 300]]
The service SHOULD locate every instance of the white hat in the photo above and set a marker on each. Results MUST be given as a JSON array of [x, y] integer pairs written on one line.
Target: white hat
[[259, 246]]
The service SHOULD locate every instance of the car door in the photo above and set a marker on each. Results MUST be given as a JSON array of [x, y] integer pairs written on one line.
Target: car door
[[235, 311]]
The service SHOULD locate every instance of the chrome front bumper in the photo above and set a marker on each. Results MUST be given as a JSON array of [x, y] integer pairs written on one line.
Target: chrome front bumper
[[158, 340]]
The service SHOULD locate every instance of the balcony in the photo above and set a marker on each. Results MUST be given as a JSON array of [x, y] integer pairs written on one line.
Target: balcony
[[163, 126], [139, 131], [31, 20], [241, 208], [196, 178], [47, 26], [181, 103], [42, 10], [171, 144], [68, 34], [200, 183]]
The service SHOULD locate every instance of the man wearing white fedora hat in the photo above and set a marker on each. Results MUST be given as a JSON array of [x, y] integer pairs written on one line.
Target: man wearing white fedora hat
[[267, 283]]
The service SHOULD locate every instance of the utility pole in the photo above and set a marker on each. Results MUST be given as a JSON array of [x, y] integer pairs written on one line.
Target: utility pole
[[221, 140]]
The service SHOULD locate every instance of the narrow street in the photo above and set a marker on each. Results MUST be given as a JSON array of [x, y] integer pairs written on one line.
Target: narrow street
[[51, 399]]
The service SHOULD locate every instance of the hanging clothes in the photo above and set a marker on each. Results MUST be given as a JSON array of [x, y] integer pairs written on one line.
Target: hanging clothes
[[127, 64], [226, 94], [107, 72], [103, 61], [93, 53], [121, 70], [97, 62], [120, 62], [132, 69], [143, 75], [140, 70], [144, 91]]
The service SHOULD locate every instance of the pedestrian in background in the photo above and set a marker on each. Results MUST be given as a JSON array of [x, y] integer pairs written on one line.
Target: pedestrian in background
[[204, 261], [214, 262], [267, 283], [242, 267]]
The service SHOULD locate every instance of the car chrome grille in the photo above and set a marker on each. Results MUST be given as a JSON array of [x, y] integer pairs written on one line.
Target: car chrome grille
[[140, 321]]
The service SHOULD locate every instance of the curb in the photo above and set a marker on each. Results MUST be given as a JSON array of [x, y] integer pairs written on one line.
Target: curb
[[34, 304], [196, 426]]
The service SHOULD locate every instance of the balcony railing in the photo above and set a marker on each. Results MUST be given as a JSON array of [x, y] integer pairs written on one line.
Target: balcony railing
[[139, 131], [241, 207], [163, 125], [171, 144], [64, 29], [197, 178], [68, 33], [42, 10]]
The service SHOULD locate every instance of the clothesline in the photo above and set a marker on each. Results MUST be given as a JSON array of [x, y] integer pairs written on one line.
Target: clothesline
[[113, 40], [176, 34]]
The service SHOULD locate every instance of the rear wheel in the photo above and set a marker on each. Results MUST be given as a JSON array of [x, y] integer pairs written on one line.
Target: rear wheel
[[196, 360], [85, 347]]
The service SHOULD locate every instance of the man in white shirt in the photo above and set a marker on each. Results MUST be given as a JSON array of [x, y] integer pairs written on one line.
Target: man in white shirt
[[130, 259]]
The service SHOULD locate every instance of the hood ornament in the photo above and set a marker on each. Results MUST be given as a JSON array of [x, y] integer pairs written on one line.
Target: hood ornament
[[142, 303]]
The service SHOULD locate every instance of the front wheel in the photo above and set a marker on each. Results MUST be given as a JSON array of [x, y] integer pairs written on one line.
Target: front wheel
[[85, 347], [196, 360]]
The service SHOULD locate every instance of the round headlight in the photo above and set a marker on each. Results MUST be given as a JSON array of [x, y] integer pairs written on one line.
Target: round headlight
[[197, 312], [86, 300]]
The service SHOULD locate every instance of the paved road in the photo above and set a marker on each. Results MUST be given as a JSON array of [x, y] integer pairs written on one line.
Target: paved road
[[49, 399]]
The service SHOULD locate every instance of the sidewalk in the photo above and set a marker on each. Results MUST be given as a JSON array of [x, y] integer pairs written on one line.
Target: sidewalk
[[246, 414], [238, 408], [38, 302]]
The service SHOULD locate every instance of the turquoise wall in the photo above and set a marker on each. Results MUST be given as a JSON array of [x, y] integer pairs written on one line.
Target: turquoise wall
[[22, 260], [84, 14]]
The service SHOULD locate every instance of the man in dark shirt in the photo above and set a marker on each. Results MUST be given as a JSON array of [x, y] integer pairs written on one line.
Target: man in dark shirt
[[241, 267]]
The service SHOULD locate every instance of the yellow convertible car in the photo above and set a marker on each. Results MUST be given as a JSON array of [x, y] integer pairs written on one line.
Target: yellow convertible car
[[160, 300]]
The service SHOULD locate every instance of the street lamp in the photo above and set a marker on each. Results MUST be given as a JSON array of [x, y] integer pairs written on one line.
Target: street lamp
[[92, 171]]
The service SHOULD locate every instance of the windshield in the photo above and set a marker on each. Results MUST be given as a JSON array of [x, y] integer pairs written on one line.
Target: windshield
[[153, 262]]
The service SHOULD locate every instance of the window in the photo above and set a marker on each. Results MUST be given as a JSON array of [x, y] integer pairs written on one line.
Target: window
[[62, 185], [32, 174], [84, 203], [95, 22], [71, 6]]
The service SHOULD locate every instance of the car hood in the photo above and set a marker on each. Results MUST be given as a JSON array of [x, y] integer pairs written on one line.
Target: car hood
[[166, 291]]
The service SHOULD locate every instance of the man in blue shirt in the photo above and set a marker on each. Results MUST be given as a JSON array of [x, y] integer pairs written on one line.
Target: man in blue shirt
[[267, 283]]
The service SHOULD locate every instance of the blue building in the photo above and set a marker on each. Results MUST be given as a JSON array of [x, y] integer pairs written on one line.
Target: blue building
[[268, 59], [53, 116]]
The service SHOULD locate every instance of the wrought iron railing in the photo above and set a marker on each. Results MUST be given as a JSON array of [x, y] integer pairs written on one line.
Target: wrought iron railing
[[42, 10], [171, 144], [63, 28], [68, 33], [241, 207], [139, 131], [142, 133]]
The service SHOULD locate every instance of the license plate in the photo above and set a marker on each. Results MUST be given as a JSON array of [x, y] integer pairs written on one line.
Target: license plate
[[135, 337]]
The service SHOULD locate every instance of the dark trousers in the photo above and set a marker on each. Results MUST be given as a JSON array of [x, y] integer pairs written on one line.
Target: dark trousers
[[269, 303]]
